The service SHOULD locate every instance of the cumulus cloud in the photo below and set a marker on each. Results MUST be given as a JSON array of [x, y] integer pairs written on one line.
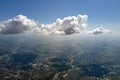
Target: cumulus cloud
[[67, 25], [18, 24], [100, 30]]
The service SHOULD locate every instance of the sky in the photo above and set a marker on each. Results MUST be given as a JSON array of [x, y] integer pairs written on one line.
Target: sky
[[104, 13]]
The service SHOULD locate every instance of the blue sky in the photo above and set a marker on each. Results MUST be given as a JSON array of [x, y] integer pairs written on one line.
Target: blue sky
[[100, 12]]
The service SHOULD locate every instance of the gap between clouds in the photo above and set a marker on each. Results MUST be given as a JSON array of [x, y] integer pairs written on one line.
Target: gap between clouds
[[65, 26]]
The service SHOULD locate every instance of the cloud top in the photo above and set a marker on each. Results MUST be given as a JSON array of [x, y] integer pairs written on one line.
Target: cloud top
[[18, 24], [67, 25]]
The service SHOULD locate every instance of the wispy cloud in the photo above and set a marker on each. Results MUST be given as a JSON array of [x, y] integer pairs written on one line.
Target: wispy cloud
[[100, 30]]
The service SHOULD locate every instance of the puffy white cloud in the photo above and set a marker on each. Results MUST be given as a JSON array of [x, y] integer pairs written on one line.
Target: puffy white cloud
[[18, 24], [65, 26], [100, 30], [68, 25]]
